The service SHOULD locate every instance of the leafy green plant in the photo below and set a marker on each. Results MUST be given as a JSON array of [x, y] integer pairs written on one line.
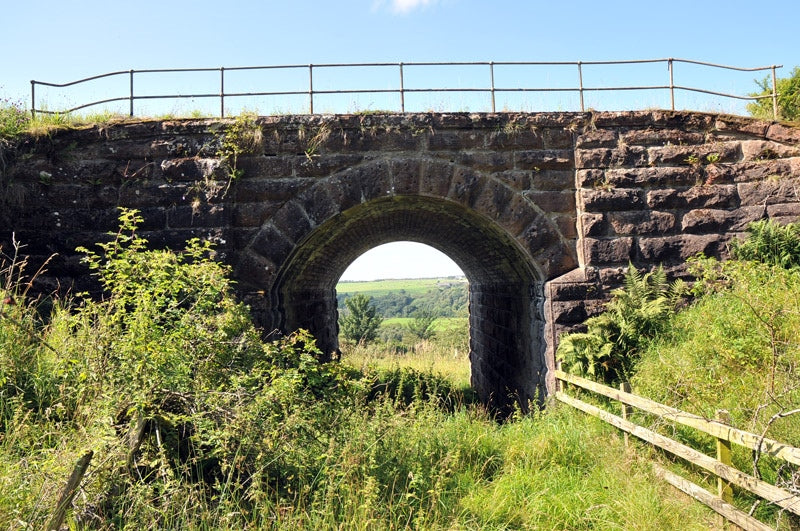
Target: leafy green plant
[[242, 137], [770, 243], [788, 98], [14, 119], [422, 324], [361, 321], [637, 312]]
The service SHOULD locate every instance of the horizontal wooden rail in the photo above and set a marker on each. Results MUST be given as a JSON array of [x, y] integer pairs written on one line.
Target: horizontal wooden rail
[[780, 497], [716, 429], [743, 520]]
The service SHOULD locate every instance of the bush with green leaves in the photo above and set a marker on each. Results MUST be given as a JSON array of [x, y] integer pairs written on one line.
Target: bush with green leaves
[[421, 326], [770, 243], [788, 98], [609, 348], [360, 322]]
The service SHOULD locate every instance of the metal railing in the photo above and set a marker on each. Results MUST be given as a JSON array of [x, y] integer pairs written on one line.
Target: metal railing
[[401, 90]]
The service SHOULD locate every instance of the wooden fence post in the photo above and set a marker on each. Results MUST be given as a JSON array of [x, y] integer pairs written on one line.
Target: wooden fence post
[[724, 490], [69, 491], [627, 410]]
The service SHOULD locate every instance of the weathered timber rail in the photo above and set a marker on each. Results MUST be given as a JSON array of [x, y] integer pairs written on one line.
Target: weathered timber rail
[[720, 466]]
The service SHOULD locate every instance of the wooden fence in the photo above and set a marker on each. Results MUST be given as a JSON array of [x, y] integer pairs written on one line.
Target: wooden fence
[[720, 465]]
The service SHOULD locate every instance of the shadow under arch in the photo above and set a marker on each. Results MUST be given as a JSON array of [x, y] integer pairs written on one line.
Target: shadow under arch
[[507, 350]]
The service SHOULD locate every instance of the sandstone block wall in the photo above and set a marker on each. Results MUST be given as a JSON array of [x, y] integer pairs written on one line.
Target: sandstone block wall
[[542, 211]]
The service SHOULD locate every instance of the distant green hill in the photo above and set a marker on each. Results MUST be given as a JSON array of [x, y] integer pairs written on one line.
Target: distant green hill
[[447, 297]]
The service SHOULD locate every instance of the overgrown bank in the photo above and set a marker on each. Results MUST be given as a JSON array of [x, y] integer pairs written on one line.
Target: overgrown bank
[[195, 422]]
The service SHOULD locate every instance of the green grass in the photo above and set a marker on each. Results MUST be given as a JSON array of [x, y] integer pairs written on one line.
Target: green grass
[[441, 323], [241, 434], [413, 286]]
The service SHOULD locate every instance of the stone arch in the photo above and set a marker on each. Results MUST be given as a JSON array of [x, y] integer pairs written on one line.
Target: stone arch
[[503, 241], [506, 323]]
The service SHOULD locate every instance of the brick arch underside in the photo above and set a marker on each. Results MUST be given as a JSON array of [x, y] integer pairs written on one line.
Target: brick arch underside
[[506, 350]]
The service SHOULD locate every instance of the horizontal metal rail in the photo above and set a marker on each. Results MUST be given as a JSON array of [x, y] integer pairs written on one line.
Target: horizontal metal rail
[[492, 89]]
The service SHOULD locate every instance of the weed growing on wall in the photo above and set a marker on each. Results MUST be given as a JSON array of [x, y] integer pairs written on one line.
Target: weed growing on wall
[[242, 137]]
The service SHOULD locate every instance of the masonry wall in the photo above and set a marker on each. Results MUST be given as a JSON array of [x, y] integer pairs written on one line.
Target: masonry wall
[[543, 211], [657, 188]]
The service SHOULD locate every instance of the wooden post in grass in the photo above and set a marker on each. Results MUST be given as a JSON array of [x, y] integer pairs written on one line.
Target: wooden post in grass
[[724, 490], [627, 410], [69, 491]]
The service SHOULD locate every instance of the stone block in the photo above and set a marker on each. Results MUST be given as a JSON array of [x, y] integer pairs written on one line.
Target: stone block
[[737, 126], [784, 212], [653, 176], [677, 248], [192, 169], [593, 224], [322, 165], [707, 220], [784, 133], [763, 150], [552, 201], [517, 179], [515, 214], [456, 140], [591, 178], [253, 214], [249, 189], [661, 137], [607, 251], [641, 222], [611, 199], [711, 196], [769, 192], [490, 161], [557, 138], [466, 186], [625, 156], [405, 175], [514, 136], [493, 199], [544, 159], [597, 138], [566, 225], [554, 180], [694, 155]]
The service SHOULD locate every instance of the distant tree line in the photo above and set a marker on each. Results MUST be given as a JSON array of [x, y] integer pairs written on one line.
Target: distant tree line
[[443, 301]]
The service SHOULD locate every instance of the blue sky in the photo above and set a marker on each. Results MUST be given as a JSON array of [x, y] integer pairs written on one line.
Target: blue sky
[[61, 41]]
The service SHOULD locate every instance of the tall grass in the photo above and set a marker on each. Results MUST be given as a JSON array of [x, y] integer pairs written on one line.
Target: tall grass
[[195, 423]]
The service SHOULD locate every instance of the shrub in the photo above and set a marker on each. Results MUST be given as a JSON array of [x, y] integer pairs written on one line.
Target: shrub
[[636, 313], [422, 324], [361, 321], [788, 98]]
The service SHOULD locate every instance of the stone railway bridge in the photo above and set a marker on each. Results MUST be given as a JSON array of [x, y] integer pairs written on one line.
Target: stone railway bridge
[[543, 211]]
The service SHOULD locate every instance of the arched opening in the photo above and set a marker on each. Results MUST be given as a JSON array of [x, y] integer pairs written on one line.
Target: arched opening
[[505, 299], [421, 299]]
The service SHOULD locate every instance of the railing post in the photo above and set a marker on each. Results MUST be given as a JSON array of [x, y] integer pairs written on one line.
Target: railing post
[[724, 490], [671, 84], [131, 97], [627, 410], [311, 89], [580, 84], [222, 92], [491, 71], [402, 91], [774, 94], [33, 99]]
